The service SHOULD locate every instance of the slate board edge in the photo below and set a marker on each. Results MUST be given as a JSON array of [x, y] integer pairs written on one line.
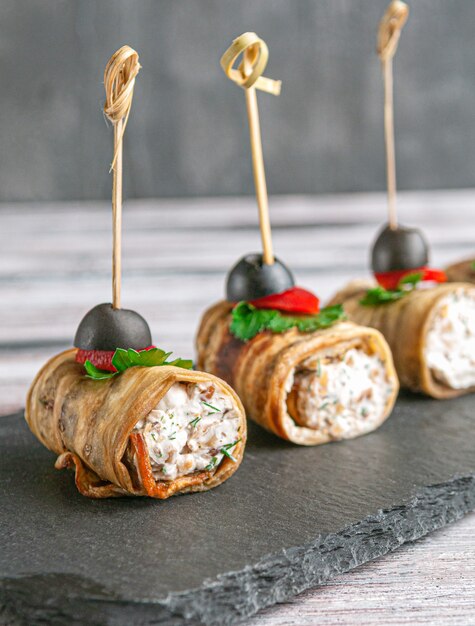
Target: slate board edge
[[60, 599]]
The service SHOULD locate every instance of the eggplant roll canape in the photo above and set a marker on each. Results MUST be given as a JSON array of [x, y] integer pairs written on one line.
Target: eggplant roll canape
[[431, 333], [149, 431], [464, 271], [309, 388]]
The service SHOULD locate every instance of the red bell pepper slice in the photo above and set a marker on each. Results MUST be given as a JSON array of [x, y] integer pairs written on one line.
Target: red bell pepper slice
[[294, 300], [391, 280], [100, 358]]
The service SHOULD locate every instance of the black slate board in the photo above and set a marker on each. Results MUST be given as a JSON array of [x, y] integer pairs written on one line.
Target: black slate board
[[289, 519]]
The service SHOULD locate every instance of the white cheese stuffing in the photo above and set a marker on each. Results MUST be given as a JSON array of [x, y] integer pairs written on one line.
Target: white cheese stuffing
[[450, 341], [344, 395], [192, 428]]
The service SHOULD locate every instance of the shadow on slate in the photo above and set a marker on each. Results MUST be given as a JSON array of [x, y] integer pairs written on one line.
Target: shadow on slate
[[289, 519]]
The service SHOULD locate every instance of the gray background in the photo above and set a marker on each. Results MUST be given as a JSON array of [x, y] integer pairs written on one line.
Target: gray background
[[187, 133]]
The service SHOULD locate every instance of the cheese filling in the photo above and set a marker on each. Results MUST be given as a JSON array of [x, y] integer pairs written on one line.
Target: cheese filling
[[341, 395], [450, 341], [193, 427]]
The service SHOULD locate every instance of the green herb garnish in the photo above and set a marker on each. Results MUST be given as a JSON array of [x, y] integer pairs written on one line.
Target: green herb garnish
[[123, 359], [411, 279], [210, 406], [225, 450], [247, 321], [195, 421], [380, 295], [473, 265], [96, 373], [212, 463]]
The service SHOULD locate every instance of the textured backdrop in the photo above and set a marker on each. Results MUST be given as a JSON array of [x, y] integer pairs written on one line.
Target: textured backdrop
[[187, 134]]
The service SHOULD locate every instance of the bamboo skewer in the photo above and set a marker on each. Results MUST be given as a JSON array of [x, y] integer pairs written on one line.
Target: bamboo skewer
[[259, 175], [117, 217], [388, 37], [119, 82], [248, 75], [389, 139]]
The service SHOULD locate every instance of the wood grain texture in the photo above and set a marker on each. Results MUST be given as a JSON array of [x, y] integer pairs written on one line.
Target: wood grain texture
[[55, 265]]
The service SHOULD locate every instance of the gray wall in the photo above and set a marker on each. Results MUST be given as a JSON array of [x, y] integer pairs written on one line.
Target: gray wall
[[187, 133]]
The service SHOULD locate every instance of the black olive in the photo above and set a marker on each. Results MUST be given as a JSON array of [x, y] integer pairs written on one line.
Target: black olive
[[105, 328], [399, 249], [251, 279]]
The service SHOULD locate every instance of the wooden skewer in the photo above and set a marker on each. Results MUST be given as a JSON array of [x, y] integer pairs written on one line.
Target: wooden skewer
[[119, 82], [117, 217], [259, 175], [388, 37], [389, 141], [248, 75]]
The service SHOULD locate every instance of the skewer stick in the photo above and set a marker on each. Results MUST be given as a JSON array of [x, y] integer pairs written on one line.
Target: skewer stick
[[259, 175], [388, 37], [117, 217], [389, 139], [248, 75], [119, 82]]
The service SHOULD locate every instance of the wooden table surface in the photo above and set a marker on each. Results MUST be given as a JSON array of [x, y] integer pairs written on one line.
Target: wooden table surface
[[55, 265]]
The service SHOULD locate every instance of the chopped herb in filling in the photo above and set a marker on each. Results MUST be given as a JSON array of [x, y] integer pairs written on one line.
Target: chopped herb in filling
[[450, 341], [340, 394], [192, 429]]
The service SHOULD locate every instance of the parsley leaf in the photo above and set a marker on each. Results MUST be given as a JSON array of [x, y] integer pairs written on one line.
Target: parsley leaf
[[96, 373], [123, 359], [247, 321], [380, 295], [410, 279], [186, 364]]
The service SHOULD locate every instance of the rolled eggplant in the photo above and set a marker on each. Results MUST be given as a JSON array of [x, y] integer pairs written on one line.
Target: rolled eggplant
[[463, 272], [431, 333], [149, 431], [308, 388]]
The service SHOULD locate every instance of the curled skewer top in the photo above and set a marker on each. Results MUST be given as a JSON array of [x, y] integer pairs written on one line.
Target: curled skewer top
[[390, 29], [249, 71], [119, 82]]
